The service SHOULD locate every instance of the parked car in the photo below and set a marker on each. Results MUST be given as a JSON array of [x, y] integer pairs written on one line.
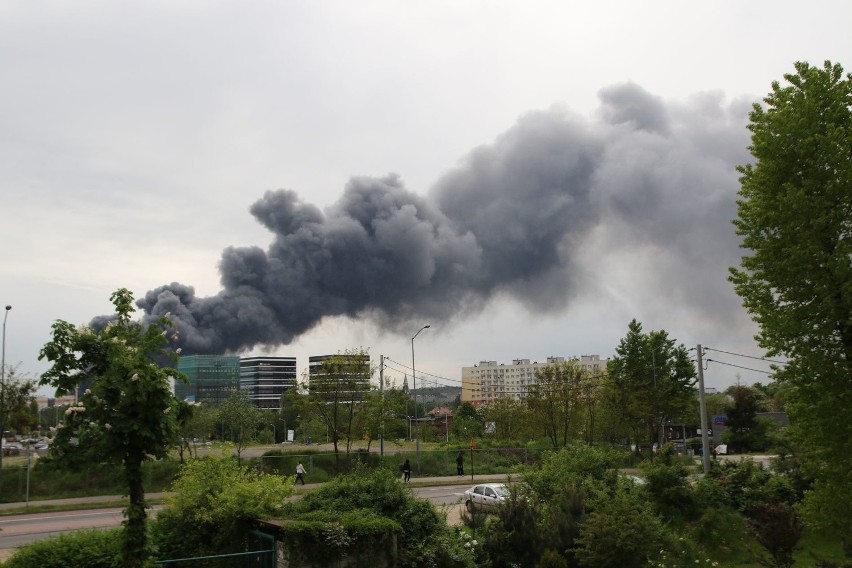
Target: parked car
[[485, 496]]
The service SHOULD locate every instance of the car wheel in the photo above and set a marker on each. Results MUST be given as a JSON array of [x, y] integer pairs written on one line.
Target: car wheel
[[469, 506]]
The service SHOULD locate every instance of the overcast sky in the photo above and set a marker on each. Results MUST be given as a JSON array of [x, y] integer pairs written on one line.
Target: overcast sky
[[302, 178]]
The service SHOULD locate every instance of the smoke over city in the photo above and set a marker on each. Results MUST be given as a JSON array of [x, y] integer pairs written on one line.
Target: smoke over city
[[536, 216]]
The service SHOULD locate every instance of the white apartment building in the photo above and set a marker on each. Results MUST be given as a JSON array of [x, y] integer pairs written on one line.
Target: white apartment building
[[488, 381]]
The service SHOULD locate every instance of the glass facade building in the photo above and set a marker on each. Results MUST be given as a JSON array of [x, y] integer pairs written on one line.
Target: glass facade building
[[212, 378], [265, 379]]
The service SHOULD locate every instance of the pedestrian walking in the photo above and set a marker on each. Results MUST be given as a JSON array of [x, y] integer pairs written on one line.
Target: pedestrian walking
[[300, 473], [460, 464], [406, 471]]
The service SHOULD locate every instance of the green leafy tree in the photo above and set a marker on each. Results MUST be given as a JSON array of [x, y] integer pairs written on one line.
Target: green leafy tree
[[650, 381], [741, 418], [555, 400], [241, 418], [379, 413], [335, 392], [795, 220], [127, 410], [196, 424], [15, 395], [467, 423], [509, 417]]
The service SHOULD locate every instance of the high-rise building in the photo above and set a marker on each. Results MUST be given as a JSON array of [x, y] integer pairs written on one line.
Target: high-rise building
[[212, 378], [344, 377], [488, 381], [265, 379]]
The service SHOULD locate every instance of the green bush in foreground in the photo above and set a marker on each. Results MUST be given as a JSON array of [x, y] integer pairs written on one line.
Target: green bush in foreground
[[424, 541], [215, 500], [84, 549]]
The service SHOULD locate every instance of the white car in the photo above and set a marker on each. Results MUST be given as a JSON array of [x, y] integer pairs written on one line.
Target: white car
[[485, 496]]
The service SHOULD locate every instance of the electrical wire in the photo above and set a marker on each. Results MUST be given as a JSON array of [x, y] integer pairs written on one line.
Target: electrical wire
[[739, 366], [746, 356]]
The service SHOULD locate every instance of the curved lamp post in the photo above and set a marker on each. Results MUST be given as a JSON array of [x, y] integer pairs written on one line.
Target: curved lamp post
[[414, 380], [3, 387]]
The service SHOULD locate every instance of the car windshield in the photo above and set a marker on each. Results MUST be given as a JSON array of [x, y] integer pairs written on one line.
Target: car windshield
[[501, 491]]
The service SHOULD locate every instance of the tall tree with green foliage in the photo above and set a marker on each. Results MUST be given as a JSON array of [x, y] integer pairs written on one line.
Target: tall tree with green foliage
[[241, 419], [795, 220], [555, 400], [651, 380], [336, 390], [467, 422], [741, 418], [17, 391], [127, 410]]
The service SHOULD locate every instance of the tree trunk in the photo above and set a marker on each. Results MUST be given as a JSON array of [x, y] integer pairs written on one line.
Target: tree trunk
[[135, 536]]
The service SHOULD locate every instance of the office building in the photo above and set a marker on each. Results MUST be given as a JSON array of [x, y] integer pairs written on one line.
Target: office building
[[265, 379], [212, 378], [344, 377]]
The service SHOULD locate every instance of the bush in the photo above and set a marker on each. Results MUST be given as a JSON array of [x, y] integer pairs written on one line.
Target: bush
[[776, 527], [577, 466], [514, 537], [747, 482], [667, 482], [622, 532], [83, 549], [215, 500], [425, 538]]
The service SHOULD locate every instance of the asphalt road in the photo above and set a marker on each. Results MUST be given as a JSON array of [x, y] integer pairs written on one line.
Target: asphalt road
[[22, 529]]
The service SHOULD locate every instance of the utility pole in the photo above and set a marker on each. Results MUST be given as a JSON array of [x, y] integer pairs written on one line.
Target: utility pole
[[702, 404], [382, 410]]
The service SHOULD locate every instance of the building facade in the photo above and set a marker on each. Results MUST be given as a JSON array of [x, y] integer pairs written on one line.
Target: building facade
[[489, 381], [212, 378], [344, 377], [265, 379]]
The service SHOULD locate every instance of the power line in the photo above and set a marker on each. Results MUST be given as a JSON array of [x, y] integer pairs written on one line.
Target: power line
[[740, 367], [407, 369], [746, 356]]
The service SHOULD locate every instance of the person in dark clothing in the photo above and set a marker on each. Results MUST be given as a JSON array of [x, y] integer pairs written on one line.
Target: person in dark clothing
[[460, 464], [406, 471]]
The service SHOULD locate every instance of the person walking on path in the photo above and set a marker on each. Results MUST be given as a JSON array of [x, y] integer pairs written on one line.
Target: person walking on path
[[460, 464], [300, 473], [406, 471]]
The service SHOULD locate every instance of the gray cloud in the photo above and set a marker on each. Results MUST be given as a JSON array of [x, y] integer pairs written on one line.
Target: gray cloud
[[516, 217]]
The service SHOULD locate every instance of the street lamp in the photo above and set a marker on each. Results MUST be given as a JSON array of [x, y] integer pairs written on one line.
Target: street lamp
[[3, 361], [3, 387], [414, 381]]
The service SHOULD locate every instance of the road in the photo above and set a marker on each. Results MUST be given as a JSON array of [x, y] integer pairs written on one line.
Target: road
[[21, 529]]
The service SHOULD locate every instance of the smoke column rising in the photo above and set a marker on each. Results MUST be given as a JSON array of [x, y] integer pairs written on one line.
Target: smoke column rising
[[518, 218]]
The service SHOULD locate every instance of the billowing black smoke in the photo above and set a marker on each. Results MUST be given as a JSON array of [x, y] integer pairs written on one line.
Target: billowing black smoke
[[520, 218]]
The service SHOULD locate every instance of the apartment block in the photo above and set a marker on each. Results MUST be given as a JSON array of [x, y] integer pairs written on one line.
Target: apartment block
[[489, 380]]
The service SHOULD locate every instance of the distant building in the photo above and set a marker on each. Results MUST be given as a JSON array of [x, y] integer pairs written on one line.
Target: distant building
[[212, 378], [345, 377], [265, 379], [489, 381], [442, 419], [53, 402]]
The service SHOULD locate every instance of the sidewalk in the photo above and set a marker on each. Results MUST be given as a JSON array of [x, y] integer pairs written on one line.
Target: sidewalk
[[106, 499]]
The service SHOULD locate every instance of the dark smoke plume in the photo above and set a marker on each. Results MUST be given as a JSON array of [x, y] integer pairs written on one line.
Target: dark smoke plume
[[520, 218]]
